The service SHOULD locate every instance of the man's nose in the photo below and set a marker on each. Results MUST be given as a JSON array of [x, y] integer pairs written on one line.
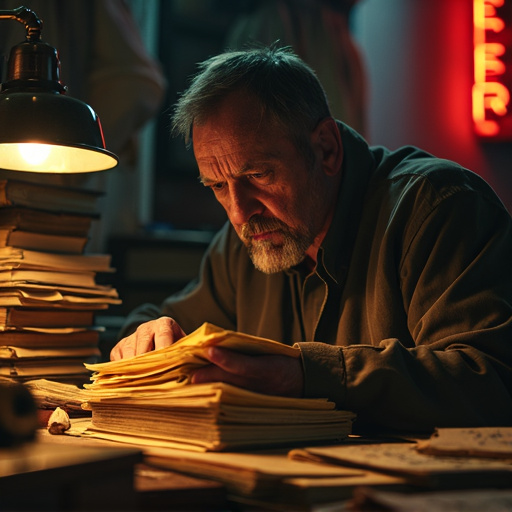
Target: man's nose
[[243, 203]]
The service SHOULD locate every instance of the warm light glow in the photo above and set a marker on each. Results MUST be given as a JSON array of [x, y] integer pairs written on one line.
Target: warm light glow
[[492, 113], [32, 157], [34, 154]]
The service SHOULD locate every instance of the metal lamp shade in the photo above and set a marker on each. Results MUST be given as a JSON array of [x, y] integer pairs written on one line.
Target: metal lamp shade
[[67, 131]]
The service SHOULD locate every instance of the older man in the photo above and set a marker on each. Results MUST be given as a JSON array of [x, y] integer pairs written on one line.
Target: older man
[[390, 270]]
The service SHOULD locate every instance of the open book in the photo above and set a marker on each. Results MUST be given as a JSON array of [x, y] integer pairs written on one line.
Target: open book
[[149, 400]]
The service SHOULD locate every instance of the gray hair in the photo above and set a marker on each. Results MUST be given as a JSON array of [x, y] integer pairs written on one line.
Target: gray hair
[[286, 88]]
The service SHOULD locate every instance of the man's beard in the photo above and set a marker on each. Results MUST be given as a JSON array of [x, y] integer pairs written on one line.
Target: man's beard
[[271, 257]]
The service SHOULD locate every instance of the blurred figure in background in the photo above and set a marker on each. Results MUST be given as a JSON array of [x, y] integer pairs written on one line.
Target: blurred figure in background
[[104, 62], [319, 32]]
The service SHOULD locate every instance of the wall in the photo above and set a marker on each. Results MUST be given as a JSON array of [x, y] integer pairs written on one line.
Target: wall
[[419, 63]]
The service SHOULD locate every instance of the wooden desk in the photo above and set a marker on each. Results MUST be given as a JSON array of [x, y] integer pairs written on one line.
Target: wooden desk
[[52, 476], [79, 473], [71, 473]]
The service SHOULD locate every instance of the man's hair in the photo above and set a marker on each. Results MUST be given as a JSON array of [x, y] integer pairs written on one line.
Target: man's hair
[[285, 87]]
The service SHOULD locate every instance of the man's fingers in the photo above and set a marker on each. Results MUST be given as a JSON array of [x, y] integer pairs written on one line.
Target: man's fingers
[[155, 334], [143, 339], [166, 332], [116, 353]]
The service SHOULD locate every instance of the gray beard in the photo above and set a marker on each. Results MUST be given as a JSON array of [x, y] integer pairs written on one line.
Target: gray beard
[[269, 257]]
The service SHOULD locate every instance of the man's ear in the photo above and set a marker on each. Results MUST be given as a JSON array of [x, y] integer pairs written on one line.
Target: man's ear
[[326, 140]]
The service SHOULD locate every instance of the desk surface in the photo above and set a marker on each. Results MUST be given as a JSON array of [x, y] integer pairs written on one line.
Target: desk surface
[[49, 476], [73, 473], [77, 473]]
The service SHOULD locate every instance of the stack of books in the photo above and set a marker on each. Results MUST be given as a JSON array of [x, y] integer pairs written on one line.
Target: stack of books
[[48, 284], [149, 400]]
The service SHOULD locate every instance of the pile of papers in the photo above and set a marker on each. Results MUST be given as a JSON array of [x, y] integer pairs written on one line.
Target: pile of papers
[[148, 400]]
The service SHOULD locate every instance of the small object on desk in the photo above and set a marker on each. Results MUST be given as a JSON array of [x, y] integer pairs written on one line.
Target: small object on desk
[[18, 414], [58, 422]]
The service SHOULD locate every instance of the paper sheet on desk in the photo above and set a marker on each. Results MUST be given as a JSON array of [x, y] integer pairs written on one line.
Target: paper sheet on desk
[[493, 442], [405, 459]]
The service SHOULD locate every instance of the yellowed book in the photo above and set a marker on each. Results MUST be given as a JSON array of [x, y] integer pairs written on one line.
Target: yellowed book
[[42, 241], [19, 277], [44, 317], [215, 417], [14, 257], [50, 394], [37, 295], [13, 353]]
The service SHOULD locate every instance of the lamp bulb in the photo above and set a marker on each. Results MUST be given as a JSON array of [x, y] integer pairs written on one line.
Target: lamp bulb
[[34, 154]]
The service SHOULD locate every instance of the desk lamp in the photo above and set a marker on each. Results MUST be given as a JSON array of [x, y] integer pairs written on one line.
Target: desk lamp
[[42, 129]]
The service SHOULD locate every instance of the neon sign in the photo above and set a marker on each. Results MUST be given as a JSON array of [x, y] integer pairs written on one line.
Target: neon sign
[[492, 88]]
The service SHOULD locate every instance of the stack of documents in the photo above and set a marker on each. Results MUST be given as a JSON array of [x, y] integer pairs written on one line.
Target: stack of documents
[[148, 399]]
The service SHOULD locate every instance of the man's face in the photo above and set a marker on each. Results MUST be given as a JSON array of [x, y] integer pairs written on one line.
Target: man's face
[[273, 197]]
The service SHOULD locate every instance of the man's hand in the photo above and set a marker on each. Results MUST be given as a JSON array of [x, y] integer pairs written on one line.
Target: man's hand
[[271, 375], [152, 335]]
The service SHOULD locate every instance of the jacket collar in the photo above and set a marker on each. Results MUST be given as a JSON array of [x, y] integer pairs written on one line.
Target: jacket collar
[[357, 168]]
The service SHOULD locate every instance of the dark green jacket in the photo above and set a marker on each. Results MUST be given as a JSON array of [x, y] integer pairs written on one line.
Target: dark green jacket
[[408, 318]]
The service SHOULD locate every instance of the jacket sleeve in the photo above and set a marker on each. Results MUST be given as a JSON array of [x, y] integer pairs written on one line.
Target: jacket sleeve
[[454, 277]]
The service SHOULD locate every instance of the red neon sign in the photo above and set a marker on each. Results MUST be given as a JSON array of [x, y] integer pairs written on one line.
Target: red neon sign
[[492, 88]]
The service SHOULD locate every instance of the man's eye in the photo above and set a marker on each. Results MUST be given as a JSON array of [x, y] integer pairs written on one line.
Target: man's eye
[[216, 186], [261, 177]]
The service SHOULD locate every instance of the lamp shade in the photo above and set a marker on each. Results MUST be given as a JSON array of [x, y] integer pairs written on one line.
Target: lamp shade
[[42, 129], [50, 132]]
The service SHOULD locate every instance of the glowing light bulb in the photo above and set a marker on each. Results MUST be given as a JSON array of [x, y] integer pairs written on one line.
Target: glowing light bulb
[[34, 154]]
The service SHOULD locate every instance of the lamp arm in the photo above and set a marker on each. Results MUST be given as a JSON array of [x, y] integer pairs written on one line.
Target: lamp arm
[[33, 25]]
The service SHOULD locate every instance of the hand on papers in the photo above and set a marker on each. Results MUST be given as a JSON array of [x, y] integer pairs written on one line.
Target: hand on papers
[[152, 335], [268, 374], [276, 372]]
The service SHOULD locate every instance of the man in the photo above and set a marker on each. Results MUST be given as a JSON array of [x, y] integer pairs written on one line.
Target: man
[[390, 270]]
